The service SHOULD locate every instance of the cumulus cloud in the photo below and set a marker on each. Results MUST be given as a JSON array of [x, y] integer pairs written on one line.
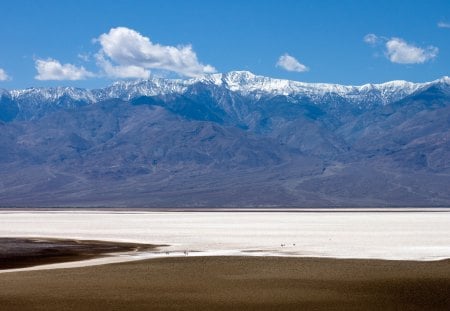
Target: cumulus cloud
[[289, 63], [443, 25], [125, 53], [121, 71], [401, 52], [3, 75], [51, 69]]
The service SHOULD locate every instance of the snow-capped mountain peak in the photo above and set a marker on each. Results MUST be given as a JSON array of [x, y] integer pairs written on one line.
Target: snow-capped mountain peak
[[53, 94], [244, 83], [443, 80], [247, 83]]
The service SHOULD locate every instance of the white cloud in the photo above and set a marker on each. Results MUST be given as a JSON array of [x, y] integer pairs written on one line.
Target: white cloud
[[401, 52], [121, 71], [371, 39], [51, 69], [125, 53], [443, 25], [289, 63], [3, 75]]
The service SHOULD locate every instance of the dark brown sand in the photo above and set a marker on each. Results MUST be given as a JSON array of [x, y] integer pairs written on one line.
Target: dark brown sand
[[26, 252], [233, 283]]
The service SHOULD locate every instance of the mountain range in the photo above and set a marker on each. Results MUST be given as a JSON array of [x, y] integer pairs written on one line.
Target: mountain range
[[226, 140]]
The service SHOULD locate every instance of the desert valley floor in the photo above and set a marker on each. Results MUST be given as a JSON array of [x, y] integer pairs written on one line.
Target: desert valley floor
[[235, 260]]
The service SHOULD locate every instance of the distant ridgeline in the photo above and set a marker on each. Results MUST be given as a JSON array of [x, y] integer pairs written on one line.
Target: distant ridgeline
[[232, 139]]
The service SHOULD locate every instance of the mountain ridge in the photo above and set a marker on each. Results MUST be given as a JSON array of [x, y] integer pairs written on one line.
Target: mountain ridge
[[227, 140], [238, 81]]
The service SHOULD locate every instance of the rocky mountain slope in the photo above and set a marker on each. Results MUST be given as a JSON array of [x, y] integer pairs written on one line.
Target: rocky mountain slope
[[232, 139]]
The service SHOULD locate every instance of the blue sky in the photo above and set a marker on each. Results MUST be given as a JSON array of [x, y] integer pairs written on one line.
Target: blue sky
[[92, 43]]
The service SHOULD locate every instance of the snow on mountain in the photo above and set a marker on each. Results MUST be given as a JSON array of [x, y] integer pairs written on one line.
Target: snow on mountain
[[152, 87], [248, 84], [53, 94], [242, 82], [444, 80]]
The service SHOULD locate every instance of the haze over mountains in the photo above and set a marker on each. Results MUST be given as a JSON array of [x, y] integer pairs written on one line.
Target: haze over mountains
[[232, 139]]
